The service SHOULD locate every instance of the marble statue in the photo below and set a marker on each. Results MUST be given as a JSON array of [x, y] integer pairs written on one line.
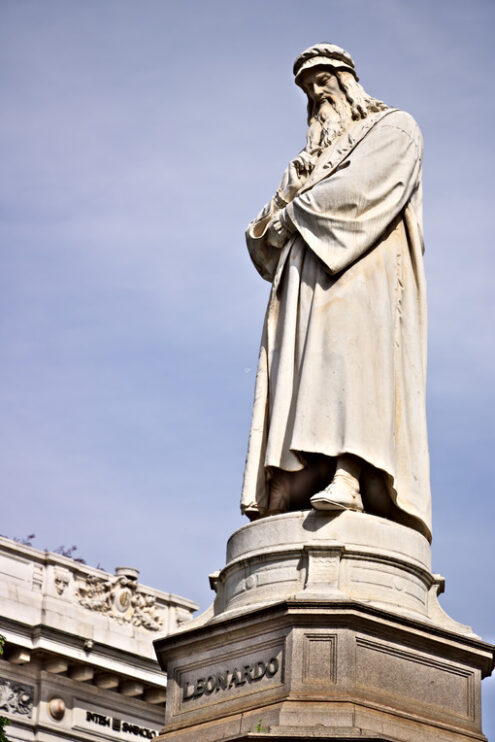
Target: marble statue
[[339, 418]]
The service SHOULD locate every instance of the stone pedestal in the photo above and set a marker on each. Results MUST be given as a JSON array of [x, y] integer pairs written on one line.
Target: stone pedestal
[[325, 627]]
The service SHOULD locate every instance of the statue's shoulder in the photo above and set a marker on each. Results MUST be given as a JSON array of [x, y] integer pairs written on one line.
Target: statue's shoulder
[[401, 120]]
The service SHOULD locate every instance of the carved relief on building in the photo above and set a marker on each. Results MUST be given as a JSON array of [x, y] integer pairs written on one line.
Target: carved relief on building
[[16, 698], [182, 616], [120, 598], [61, 579]]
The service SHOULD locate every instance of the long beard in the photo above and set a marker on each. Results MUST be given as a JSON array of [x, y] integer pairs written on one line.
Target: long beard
[[331, 120]]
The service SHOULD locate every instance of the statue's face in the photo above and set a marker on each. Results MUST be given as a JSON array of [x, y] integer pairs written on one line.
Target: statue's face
[[320, 83]]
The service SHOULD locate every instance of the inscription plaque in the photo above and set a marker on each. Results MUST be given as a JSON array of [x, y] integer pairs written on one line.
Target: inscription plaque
[[228, 679], [229, 675]]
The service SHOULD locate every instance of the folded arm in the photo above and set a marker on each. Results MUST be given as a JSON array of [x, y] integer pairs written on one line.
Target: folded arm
[[341, 217]]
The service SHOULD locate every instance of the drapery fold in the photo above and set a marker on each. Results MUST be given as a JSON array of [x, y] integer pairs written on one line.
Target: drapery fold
[[343, 354]]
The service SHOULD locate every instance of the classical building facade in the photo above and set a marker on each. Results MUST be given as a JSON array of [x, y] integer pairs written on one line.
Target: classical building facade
[[79, 662]]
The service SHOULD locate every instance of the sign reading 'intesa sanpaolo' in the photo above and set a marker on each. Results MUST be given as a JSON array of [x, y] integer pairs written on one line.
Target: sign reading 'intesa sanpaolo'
[[117, 725], [229, 679]]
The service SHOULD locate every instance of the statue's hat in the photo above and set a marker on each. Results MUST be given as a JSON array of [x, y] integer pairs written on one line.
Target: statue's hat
[[323, 55]]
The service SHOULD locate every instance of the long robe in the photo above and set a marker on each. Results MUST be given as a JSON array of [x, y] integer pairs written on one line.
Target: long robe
[[342, 365]]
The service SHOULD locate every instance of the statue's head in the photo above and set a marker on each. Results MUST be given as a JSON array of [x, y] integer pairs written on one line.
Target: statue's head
[[327, 74], [329, 56]]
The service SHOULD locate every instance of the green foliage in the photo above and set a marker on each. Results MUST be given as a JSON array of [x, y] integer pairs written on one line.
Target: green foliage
[[260, 727], [3, 720], [3, 724]]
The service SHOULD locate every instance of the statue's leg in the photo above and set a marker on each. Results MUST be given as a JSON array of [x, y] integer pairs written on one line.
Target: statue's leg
[[279, 500], [291, 490], [375, 493], [343, 491]]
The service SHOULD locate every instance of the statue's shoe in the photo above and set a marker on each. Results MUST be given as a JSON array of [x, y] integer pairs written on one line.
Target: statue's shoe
[[252, 512], [341, 494]]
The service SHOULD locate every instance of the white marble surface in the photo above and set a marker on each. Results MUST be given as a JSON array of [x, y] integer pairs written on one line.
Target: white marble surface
[[342, 556], [342, 364], [79, 642]]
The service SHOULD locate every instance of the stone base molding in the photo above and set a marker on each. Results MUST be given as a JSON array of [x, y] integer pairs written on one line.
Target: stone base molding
[[325, 627]]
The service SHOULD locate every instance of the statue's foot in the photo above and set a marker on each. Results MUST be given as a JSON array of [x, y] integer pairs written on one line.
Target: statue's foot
[[341, 494], [252, 513]]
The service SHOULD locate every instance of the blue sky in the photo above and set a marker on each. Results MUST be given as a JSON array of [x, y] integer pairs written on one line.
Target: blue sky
[[137, 140]]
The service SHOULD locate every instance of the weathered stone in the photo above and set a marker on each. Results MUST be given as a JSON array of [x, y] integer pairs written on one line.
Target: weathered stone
[[131, 688], [19, 656], [56, 665], [82, 673], [72, 671], [325, 625], [341, 668], [107, 681]]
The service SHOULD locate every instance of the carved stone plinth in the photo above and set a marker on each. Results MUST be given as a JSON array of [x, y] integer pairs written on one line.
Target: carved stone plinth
[[325, 627]]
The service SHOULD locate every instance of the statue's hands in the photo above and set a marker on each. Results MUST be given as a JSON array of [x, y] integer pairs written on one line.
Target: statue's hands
[[280, 228], [305, 164], [295, 176], [276, 234]]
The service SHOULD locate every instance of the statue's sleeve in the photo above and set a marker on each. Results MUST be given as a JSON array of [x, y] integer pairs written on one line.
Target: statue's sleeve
[[264, 256], [340, 218]]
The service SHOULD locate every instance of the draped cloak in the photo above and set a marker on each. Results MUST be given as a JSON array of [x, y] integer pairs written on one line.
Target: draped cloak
[[342, 364]]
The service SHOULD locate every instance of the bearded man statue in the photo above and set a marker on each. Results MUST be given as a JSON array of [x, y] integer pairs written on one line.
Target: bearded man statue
[[339, 417]]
